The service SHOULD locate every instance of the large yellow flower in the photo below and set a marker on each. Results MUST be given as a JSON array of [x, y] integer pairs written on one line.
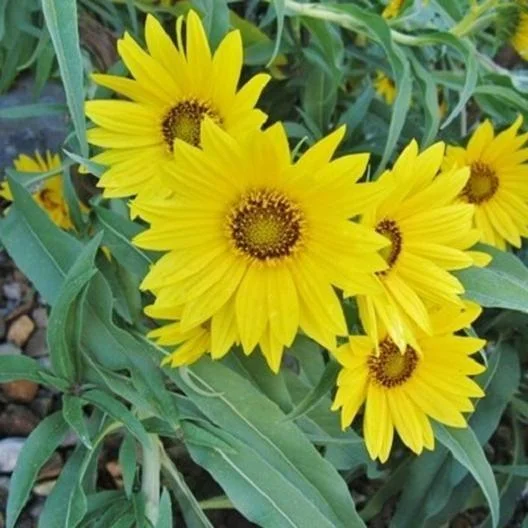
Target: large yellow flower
[[429, 231], [498, 186], [255, 243], [172, 92], [49, 194], [401, 391]]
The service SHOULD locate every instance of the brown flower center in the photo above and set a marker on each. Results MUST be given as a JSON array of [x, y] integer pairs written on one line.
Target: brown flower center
[[183, 121], [482, 184], [265, 225], [392, 367], [389, 229]]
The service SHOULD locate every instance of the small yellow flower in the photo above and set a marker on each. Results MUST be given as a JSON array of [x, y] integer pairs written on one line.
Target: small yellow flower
[[498, 186], [402, 391], [429, 231], [392, 9], [255, 244], [385, 87], [173, 90], [49, 194]]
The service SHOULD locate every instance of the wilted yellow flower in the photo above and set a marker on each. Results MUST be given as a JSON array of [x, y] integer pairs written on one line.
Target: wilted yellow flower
[[255, 243], [402, 391], [385, 87], [498, 186], [172, 92], [49, 193], [429, 231]]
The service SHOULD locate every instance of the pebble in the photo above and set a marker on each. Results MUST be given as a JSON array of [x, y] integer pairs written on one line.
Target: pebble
[[12, 290], [44, 489], [20, 330], [17, 420], [40, 316], [52, 468], [9, 349], [42, 405], [20, 390], [37, 346], [9, 450]]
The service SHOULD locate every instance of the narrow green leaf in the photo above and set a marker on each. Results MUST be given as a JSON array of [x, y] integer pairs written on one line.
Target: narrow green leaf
[[32, 110], [165, 511], [517, 470], [280, 7], [61, 20], [72, 411], [501, 284], [18, 367], [128, 462], [325, 384], [465, 447], [118, 411], [117, 235], [66, 505], [39, 446], [64, 355]]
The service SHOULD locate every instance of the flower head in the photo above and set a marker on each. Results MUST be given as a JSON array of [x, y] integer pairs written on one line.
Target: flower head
[[256, 244], [402, 391], [173, 90], [429, 231], [512, 26], [49, 193], [498, 185], [392, 9]]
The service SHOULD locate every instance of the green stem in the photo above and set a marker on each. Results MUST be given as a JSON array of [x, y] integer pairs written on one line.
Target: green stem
[[217, 503], [470, 23], [150, 478]]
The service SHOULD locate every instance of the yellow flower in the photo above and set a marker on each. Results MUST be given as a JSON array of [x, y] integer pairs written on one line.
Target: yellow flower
[[49, 193], [401, 391], [429, 231], [498, 186], [392, 9], [255, 243], [385, 87], [519, 36], [172, 92]]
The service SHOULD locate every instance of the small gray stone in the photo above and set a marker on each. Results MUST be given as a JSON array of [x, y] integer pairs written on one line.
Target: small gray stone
[[17, 420], [40, 316], [9, 349], [37, 346], [12, 290], [9, 450]]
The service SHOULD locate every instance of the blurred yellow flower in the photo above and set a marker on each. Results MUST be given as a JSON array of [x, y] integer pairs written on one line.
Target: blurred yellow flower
[[402, 391], [498, 185], [49, 193], [519, 38], [392, 9], [385, 87]]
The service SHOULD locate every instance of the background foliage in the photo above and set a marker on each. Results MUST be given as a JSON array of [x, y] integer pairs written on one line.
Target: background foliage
[[270, 441]]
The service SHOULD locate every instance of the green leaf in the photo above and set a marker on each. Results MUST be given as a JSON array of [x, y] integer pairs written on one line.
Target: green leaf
[[517, 470], [118, 232], [128, 462], [66, 505], [465, 447], [17, 367], [41, 250], [501, 284], [236, 406], [215, 18], [72, 411], [165, 511], [61, 21], [32, 110], [192, 512], [39, 446], [118, 412], [63, 323], [323, 387], [280, 6]]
